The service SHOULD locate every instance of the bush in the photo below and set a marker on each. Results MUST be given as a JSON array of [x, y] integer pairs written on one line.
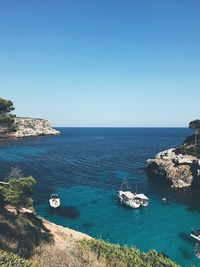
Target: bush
[[11, 260], [122, 256], [18, 192], [189, 150]]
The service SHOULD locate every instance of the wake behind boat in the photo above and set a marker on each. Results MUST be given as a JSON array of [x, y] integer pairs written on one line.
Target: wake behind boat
[[130, 199], [54, 201]]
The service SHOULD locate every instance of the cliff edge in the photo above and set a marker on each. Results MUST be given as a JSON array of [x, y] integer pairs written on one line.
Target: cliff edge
[[13, 126], [180, 170]]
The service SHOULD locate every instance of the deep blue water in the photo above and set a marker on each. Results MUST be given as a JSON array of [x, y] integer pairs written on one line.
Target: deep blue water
[[85, 167]]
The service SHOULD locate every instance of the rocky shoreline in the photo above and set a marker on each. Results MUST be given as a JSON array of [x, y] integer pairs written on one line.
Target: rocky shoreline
[[27, 127], [180, 170]]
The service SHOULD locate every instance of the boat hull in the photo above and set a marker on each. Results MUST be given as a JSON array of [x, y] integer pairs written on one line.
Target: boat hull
[[128, 202], [54, 203]]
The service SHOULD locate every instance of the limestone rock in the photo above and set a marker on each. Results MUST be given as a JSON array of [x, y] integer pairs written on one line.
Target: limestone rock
[[32, 127], [179, 169]]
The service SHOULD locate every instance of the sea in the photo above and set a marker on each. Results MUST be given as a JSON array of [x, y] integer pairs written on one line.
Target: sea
[[86, 166]]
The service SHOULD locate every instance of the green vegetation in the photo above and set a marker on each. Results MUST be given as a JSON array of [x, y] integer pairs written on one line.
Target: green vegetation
[[6, 119], [195, 125], [18, 192], [191, 145], [6, 106], [22, 232], [122, 256], [11, 260], [189, 150]]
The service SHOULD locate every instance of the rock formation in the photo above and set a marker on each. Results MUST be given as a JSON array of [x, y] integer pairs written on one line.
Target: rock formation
[[32, 127], [180, 170]]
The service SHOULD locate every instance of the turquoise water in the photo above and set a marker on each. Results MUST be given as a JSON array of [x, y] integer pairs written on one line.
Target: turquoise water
[[85, 167]]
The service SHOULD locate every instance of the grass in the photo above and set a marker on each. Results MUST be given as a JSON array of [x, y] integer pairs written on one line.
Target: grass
[[21, 233], [11, 260], [98, 253], [115, 255]]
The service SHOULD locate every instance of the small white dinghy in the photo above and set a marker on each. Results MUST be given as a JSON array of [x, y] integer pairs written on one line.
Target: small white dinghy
[[54, 201]]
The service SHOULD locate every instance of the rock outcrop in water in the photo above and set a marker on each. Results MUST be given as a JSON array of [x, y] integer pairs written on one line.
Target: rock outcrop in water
[[32, 127], [180, 170]]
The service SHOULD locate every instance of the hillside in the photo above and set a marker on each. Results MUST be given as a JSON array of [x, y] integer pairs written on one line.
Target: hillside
[[44, 244]]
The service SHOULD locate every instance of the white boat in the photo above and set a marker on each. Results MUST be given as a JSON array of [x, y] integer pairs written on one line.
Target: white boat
[[196, 250], [142, 199], [54, 201], [127, 198], [130, 199], [195, 234]]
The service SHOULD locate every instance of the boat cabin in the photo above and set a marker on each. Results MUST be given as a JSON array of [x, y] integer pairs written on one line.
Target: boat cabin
[[142, 199]]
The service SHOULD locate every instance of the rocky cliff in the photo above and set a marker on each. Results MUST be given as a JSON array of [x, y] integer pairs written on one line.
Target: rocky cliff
[[180, 170], [32, 127]]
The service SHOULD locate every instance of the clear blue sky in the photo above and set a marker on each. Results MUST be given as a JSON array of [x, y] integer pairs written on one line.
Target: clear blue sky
[[102, 62]]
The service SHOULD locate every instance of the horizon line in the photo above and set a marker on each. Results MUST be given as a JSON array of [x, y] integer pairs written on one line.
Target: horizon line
[[185, 127]]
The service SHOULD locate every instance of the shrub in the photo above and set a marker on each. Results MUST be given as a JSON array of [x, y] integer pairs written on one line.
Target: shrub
[[193, 150], [18, 192], [122, 256], [11, 260]]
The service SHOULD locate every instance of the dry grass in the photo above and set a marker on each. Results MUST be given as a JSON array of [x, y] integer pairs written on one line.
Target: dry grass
[[65, 251], [70, 255], [21, 233]]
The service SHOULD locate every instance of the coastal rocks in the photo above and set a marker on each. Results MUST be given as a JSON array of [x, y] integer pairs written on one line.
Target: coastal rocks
[[32, 127], [180, 170]]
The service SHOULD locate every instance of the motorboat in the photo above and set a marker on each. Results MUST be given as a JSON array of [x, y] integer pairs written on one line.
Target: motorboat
[[143, 200], [130, 199], [195, 234], [54, 201], [127, 198], [196, 250]]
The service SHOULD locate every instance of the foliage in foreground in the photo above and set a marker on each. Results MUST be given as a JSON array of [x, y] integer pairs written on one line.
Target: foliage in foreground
[[21, 233], [11, 260], [18, 192], [122, 256]]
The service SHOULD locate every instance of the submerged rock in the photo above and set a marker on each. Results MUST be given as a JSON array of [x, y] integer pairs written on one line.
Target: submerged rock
[[180, 170], [32, 127]]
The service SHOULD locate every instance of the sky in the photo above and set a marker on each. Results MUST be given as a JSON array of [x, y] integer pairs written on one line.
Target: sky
[[110, 63]]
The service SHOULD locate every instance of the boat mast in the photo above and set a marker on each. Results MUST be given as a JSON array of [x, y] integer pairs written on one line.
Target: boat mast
[[125, 185]]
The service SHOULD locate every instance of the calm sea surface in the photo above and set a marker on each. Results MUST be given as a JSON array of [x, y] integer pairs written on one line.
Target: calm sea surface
[[85, 166]]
